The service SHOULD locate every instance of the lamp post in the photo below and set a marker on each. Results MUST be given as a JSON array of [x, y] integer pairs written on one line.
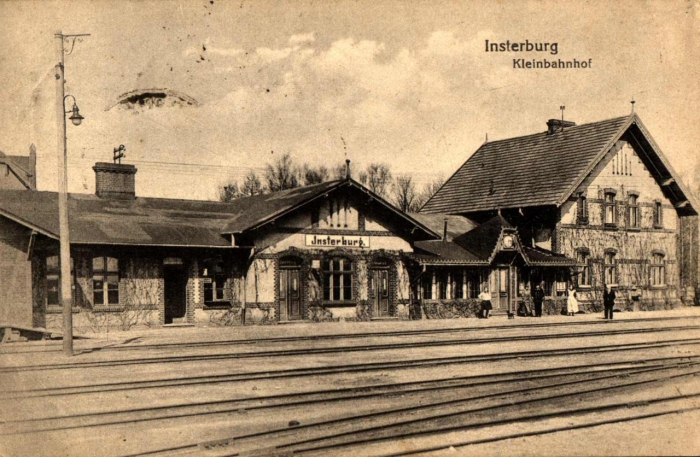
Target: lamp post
[[63, 232]]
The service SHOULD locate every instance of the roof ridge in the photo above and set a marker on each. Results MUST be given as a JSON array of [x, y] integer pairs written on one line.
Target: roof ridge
[[573, 127]]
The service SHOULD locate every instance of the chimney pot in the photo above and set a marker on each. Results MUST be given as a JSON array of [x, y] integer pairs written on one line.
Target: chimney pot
[[347, 169], [115, 180]]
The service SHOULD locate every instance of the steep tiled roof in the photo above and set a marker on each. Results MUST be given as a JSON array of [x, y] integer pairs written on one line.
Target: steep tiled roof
[[530, 170]]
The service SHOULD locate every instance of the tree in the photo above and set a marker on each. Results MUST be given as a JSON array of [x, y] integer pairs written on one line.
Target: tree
[[377, 178], [252, 185], [430, 189], [229, 192], [405, 194], [338, 172], [313, 175], [283, 174]]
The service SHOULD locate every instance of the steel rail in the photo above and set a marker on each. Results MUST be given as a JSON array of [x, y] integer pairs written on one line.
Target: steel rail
[[336, 349], [344, 369]]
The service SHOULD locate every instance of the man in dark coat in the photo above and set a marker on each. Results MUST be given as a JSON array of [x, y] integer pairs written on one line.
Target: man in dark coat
[[538, 298], [609, 301]]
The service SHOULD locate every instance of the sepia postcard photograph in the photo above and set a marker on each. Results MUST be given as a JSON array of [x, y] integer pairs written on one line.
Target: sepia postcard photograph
[[349, 228]]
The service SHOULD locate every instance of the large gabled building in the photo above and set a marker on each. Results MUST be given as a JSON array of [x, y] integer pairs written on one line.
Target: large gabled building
[[601, 193]]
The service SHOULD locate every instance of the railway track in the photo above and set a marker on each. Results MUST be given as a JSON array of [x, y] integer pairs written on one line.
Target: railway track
[[305, 351], [439, 417], [132, 345], [340, 369], [318, 397]]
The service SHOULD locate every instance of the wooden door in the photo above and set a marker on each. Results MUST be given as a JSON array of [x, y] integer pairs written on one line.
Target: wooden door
[[380, 292], [500, 288], [290, 294]]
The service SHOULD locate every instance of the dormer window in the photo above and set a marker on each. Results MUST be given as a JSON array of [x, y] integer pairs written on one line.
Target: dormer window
[[609, 213]]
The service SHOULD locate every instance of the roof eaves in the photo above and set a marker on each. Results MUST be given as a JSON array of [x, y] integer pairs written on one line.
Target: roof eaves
[[27, 224], [681, 185], [112, 243]]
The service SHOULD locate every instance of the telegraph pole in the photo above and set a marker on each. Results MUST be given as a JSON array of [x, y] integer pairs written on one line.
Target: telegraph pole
[[63, 230]]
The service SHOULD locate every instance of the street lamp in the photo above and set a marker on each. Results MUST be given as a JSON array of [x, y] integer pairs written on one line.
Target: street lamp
[[75, 117], [63, 232]]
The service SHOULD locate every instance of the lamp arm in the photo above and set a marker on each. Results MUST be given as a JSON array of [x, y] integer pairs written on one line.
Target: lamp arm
[[64, 103]]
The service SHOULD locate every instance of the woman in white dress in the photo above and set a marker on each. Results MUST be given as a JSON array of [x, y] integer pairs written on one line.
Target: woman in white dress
[[571, 302]]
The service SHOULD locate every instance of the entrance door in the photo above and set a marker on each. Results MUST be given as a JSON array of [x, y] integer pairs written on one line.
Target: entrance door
[[175, 285], [380, 292], [290, 294], [499, 288]]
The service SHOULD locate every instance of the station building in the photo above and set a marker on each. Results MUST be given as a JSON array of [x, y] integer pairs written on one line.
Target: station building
[[592, 204], [602, 194]]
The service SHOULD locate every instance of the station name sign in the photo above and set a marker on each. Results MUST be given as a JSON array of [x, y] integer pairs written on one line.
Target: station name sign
[[338, 241]]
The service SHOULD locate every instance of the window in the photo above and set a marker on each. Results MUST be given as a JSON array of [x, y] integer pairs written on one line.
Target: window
[[632, 211], [582, 259], [473, 281], [53, 279], [442, 280], [337, 284], [609, 208], [215, 278], [458, 284], [610, 268], [657, 270], [105, 280], [427, 280], [658, 215], [582, 210]]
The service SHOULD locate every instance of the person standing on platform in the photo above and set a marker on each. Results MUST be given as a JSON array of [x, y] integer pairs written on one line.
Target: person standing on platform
[[486, 305], [609, 301], [538, 298], [571, 301]]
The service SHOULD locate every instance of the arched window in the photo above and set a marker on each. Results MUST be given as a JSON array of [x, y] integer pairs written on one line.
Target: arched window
[[105, 280], [658, 215], [337, 280], [657, 270], [609, 213], [582, 209], [632, 211]]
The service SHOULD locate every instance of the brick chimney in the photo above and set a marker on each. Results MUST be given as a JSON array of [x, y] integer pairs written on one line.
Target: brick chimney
[[115, 180], [557, 125]]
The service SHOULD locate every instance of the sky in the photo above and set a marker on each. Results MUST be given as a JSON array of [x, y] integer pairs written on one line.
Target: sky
[[407, 83]]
